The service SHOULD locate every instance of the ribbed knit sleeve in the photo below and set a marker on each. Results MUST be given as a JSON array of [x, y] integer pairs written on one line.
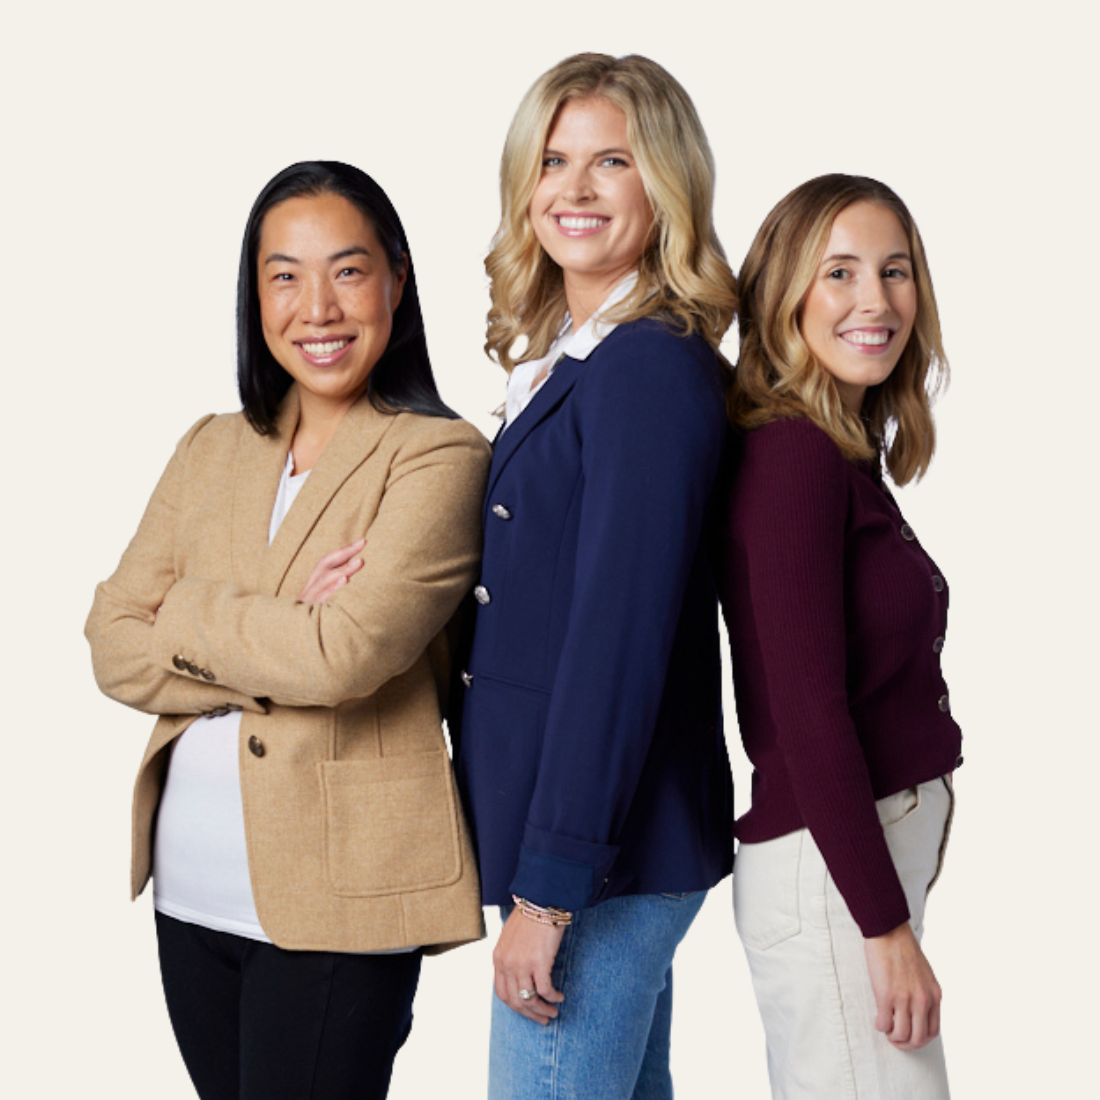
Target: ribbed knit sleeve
[[788, 516]]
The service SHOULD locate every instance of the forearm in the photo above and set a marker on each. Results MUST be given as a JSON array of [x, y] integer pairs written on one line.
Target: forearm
[[125, 671], [299, 654]]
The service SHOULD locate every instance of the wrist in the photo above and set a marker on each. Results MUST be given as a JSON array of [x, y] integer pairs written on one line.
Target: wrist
[[543, 914]]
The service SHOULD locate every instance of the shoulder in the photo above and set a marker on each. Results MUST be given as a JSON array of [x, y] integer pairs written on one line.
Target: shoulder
[[211, 434], [793, 441], [653, 342], [649, 363], [420, 434], [789, 458]]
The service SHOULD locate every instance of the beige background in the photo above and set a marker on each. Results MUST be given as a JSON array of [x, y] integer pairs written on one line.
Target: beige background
[[136, 137]]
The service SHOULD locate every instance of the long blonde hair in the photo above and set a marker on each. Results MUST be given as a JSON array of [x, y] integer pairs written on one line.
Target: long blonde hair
[[777, 376], [683, 273]]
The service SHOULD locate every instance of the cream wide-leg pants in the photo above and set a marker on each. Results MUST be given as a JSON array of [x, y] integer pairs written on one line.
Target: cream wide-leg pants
[[808, 965]]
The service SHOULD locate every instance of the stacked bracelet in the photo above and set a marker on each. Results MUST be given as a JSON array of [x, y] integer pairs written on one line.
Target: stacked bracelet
[[544, 914]]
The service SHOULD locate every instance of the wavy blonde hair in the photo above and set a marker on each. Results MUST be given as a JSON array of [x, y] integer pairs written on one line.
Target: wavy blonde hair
[[777, 376], [683, 274]]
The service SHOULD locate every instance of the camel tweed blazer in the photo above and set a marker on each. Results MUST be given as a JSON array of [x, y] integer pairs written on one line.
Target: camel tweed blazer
[[355, 837]]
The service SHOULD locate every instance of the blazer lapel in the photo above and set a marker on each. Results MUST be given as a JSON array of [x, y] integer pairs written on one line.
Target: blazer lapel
[[548, 399], [259, 467], [355, 441]]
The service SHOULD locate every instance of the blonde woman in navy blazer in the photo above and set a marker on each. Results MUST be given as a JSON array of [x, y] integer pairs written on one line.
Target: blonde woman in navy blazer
[[592, 755]]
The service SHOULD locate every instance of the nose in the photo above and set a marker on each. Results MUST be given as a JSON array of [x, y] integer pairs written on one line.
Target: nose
[[578, 186], [873, 298], [319, 303]]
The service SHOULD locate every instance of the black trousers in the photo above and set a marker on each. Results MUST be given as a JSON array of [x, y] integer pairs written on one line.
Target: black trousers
[[255, 1022]]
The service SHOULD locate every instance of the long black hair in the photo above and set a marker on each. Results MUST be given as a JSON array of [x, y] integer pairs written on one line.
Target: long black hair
[[402, 380]]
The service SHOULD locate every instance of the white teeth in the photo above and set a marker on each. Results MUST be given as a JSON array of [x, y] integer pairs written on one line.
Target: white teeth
[[581, 223], [329, 347], [858, 337]]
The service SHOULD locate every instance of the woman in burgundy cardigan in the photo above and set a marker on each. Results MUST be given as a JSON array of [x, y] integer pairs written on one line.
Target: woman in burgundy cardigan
[[836, 618]]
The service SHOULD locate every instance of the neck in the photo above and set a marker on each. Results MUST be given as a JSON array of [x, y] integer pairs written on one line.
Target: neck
[[585, 294], [317, 423]]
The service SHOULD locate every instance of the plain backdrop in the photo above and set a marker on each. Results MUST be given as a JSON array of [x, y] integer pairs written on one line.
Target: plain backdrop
[[135, 139]]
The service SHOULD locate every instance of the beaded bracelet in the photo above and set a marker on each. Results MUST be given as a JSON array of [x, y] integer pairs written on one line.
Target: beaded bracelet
[[544, 914]]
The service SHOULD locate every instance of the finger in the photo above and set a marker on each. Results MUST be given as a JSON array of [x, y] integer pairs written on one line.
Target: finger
[[544, 985], [330, 589], [338, 557], [934, 1020], [508, 990], [903, 1025], [320, 590], [918, 1032], [534, 1008]]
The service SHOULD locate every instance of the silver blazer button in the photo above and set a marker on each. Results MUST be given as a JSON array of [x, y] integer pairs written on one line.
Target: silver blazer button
[[501, 512], [481, 594]]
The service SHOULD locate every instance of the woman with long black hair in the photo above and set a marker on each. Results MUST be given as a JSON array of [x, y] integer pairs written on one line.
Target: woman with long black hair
[[282, 608]]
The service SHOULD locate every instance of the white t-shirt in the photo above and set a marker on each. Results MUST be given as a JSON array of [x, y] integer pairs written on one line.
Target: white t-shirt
[[200, 858]]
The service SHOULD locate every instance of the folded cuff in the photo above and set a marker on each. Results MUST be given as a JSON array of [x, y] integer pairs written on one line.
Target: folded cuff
[[561, 871]]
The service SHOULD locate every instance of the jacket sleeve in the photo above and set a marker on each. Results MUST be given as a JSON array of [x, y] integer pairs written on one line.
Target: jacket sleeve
[[421, 556], [653, 430], [793, 499], [120, 627]]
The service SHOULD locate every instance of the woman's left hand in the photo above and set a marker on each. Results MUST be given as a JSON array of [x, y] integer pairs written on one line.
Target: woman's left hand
[[523, 958], [332, 572], [907, 994]]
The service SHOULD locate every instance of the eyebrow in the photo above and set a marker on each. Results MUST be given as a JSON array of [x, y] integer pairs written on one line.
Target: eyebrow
[[600, 153], [282, 258], [850, 256]]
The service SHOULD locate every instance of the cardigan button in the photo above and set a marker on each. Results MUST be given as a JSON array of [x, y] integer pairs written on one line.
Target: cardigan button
[[937, 582], [907, 532], [206, 674], [255, 746], [944, 703], [501, 511], [937, 645], [193, 669], [180, 662], [959, 761], [481, 594]]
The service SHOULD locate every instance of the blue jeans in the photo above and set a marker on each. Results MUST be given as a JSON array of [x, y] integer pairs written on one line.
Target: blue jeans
[[612, 1035]]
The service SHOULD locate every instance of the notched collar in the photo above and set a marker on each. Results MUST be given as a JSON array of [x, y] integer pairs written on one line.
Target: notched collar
[[257, 566]]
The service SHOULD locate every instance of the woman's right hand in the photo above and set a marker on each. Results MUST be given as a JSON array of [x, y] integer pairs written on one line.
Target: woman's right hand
[[907, 994], [332, 572]]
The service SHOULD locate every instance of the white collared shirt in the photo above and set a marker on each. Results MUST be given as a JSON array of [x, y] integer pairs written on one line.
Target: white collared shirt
[[522, 385]]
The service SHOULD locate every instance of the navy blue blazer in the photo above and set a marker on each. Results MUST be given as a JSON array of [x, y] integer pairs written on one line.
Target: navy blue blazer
[[591, 757]]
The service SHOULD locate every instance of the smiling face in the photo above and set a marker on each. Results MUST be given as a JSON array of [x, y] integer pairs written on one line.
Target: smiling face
[[327, 296], [860, 309], [590, 211]]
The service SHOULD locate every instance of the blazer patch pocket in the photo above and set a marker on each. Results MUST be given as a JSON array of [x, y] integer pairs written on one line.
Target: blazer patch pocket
[[390, 824]]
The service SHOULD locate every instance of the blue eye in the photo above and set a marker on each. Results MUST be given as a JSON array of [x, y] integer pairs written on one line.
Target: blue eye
[[552, 162]]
